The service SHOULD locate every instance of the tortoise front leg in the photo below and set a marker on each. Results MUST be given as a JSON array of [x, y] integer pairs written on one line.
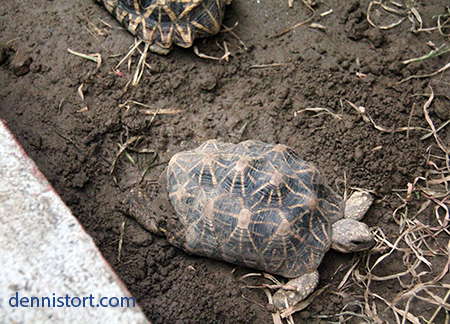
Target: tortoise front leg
[[301, 288]]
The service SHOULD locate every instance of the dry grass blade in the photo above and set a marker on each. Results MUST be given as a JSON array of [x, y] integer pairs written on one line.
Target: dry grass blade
[[393, 247], [317, 26], [156, 111], [262, 66], [430, 122], [224, 56], [419, 245], [347, 275], [319, 112], [122, 231], [150, 164], [297, 25], [151, 110], [196, 51], [442, 25], [416, 15], [413, 235], [121, 150], [439, 308], [434, 53], [232, 33], [276, 318], [326, 13], [418, 252], [227, 54], [360, 110], [367, 118], [442, 69], [437, 130], [369, 316], [92, 57], [303, 304], [407, 11], [439, 181], [277, 285], [60, 105], [248, 275], [127, 155], [81, 94], [414, 293], [388, 9], [130, 52], [105, 23], [371, 311], [141, 66], [410, 118], [440, 204], [94, 30]]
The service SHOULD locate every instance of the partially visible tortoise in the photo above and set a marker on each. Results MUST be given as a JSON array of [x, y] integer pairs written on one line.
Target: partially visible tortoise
[[258, 205], [166, 22]]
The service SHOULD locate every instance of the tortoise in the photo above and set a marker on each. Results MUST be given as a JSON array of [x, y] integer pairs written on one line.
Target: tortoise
[[162, 23], [258, 205]]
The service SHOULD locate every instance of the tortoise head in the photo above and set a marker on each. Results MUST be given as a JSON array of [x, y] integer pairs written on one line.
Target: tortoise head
[[350, 235]]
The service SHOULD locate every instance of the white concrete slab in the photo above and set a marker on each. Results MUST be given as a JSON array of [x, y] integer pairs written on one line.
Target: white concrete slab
[[45, 254]]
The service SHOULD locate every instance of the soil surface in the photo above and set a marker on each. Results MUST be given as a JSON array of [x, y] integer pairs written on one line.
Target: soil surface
[[340, 63]]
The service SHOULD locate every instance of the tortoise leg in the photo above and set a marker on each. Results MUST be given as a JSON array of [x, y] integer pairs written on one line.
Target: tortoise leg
[[160, 50], [357, 205], [141, 208], [151, 213], [302, 287]]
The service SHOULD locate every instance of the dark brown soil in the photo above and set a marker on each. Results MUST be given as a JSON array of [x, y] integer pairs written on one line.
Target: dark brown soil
[[230, 101]]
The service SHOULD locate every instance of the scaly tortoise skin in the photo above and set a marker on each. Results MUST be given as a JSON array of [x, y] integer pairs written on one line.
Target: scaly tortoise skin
[[258, 205], [167, 22]]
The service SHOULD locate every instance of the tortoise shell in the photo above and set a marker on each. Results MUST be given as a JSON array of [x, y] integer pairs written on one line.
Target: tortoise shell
[[163, 22], [253, 204]]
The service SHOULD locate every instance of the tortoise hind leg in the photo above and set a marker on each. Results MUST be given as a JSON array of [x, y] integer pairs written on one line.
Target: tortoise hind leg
[[302, 287], [141, 208]]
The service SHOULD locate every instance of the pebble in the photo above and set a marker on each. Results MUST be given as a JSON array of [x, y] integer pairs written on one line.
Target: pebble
[[359, 155]]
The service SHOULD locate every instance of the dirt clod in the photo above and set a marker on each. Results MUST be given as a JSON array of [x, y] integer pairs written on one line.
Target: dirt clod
[[20, 63], [5, 52]]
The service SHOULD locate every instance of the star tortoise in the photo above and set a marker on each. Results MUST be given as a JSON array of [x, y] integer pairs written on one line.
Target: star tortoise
[[258, 205], [163, 22]]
